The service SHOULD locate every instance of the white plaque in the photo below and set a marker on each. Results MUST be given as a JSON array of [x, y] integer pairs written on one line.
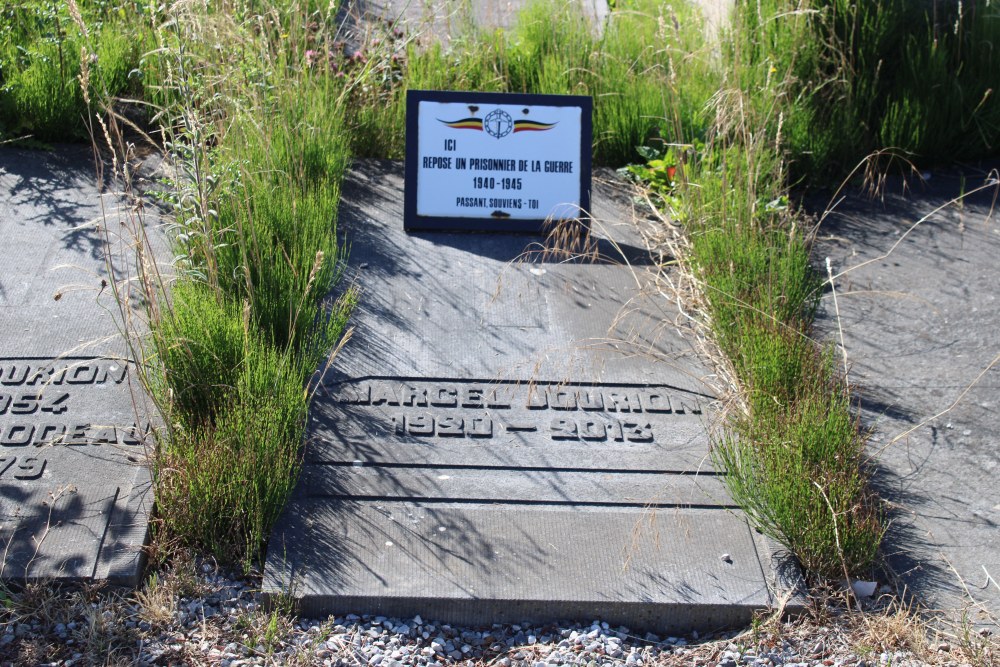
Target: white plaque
[[500, 162]]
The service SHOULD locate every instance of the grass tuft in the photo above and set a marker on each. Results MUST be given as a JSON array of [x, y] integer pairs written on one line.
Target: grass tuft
[[222, 483], [42, 45], [793, 452], [916, 77], [260, 148]]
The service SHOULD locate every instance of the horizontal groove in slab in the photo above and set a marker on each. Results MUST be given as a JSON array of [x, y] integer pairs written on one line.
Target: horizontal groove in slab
[[498, 468], [514, 486]]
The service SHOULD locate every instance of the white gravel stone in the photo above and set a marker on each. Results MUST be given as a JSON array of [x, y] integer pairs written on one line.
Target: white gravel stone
[[219, 627]]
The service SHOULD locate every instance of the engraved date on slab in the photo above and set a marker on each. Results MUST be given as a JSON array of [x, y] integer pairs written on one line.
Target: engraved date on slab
[[24, 468]]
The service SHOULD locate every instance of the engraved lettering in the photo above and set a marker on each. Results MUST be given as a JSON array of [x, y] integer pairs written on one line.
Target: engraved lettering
[[50, 434], [615, 431], [513, 427], [493, 400], [472, 397], [426, 425], [688, 406], [562, 399], [13, 374], [5, 463], [25, 404], [384, 394], [17, 435], [593, 430], [590, 400], [42, 374], [420, 425], [538, 399], [30, 468], [451, 427], [398, 424], [116, 373], [104, 435], [85, 374], [57, 405], [445, 397], [410, 395], [77, 434], [4, 403], [355, 395], [564, 429], [444, 411], [654, 401], [621, 402], [635, 432], [97, 372], [479, 427], [134, 435]]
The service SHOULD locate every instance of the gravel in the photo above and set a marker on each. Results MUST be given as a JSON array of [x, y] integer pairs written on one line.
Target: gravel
[[205, 617]]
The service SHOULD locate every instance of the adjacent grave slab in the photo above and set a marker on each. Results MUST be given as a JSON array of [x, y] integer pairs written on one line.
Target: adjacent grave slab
[[74, 490], [513, 433], [919, 306]]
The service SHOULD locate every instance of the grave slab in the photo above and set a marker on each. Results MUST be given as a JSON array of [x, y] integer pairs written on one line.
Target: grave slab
[[514, 433], [918, 306], [74, 491]]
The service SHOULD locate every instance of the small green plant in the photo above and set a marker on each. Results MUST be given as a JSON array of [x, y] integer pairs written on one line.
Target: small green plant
[[660, 169], [659, 174], [795, 458], [272, 633]]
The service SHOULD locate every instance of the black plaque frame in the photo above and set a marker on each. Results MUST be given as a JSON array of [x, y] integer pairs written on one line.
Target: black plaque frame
[[414, 222]]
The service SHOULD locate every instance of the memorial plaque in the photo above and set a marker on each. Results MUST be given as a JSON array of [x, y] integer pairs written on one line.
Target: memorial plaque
[[74, 426], [510, 437], [496, 162]]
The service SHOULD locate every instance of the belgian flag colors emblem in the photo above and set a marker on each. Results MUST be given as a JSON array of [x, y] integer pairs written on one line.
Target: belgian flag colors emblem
[[464, 124], [477, 124], [531, 126]]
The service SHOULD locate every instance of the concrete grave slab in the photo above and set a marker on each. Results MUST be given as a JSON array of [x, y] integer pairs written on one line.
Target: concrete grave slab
[[74, 491], [919, 303], [513, 434]]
